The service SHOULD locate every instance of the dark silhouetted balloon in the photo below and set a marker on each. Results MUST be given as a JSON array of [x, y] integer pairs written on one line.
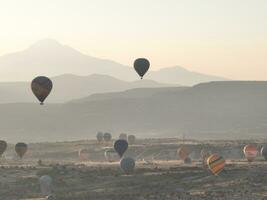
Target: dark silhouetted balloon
[[121, 146], [107, 137], [127, 165], [123, 136], [131, 139], [41, 87], [141, 66], [99, 137], [3, 146], [21, 149], [45, 185], [264, 152]]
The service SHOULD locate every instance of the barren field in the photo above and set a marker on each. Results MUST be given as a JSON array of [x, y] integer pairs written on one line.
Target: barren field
[[159, 174]]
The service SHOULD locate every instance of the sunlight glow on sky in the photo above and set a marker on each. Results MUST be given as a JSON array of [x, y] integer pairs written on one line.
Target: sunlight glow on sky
[[220, 37]]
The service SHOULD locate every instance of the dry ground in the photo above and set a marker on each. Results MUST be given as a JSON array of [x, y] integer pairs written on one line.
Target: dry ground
[[159, 176]]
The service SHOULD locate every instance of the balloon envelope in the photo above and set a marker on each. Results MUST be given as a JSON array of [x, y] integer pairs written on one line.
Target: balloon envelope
[[183, 152], [250, 152], [107, 137], [41, 87], [99, 136], [204, 155], [3, 146], [111, 155], [264, 152], [121, 146], [21, 149], [46, 185], [216, 163], [123, 136], [141, 66], [127, 165]]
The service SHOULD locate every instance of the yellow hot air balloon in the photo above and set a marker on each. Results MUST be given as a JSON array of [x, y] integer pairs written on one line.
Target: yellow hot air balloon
[[215, 163], [250, 152]]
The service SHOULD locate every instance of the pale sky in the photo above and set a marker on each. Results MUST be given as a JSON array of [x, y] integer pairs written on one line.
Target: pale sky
[[220, 37]]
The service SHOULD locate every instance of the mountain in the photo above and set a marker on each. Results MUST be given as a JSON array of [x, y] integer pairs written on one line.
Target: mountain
[[68, 87], [173, 74], [49, 57], [215, 110]]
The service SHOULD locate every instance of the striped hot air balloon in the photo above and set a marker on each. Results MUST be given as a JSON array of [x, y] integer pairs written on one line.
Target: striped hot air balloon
[[216, 163], [250, 152]]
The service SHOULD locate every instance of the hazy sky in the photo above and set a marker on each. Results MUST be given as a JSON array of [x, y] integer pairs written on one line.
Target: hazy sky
[[221, 37]]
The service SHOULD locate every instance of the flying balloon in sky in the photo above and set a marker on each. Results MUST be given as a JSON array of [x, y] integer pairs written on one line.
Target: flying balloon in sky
[[141, 66], [99, 136], [107, 137], [3, 146], [41, 88], [121, 146], [21, 149]]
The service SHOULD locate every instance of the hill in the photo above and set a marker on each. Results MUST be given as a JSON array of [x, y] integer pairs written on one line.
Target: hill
[[216, 110], [68, 87]]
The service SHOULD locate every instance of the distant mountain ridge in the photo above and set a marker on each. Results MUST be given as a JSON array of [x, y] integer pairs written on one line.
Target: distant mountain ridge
[[215, 110], [49, 57]]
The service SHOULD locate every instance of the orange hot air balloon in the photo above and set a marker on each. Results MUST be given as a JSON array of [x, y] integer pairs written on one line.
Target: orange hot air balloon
[[250, 152], [215, 163], [183, 152]]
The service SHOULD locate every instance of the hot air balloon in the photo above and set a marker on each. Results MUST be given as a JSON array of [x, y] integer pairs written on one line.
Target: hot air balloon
[[84, 154], [46, 185], [111, 155], [3, 146], [215, 163], [131, 139], [123, 136], [99, 137], [141, 66], [264, 152], [183, 152], [41, 87], [187, 160], [127, 165], [204, 154], [107, 137], [120, 147], [50, 197], [250, 152], [21, 149]]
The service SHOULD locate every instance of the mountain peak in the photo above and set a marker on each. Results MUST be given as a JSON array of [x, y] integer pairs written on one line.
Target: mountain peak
[[46, 44]]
